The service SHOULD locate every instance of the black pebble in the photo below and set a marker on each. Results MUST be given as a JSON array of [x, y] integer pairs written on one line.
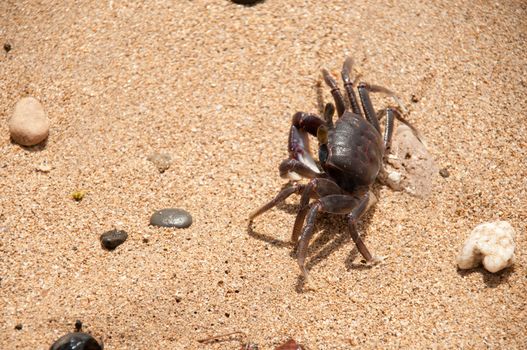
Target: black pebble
[[18, 327], [78, 325], [76, 341], [444, 172], [171, 217], [7, 47], [113, 238], [246, 2]]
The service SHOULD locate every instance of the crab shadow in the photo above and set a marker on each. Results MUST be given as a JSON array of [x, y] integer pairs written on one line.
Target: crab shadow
[[491, 280], [331, 233]]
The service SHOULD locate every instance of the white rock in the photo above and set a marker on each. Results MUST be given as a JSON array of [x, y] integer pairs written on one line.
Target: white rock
[[395, 177], [491, 243], [29, 124]]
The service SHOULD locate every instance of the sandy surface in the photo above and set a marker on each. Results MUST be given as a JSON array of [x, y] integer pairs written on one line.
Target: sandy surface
[[214, 85]]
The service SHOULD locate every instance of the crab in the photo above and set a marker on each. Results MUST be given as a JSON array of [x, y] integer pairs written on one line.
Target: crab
[[351, 156]]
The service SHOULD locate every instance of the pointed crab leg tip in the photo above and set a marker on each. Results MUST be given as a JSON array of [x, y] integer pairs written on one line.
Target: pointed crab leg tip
[[327, 77], [348, 63]]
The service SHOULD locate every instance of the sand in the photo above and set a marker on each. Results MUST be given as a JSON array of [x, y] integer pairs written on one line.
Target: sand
[[214, 84]]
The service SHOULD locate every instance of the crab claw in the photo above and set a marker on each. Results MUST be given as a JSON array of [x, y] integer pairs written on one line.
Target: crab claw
[[299, 151]]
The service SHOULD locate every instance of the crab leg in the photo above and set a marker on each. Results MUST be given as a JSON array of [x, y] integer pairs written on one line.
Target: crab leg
[[388, 129], [316, 188], [353, 217], [329, 111], [335, 92], [336, 204], [281, 196], [348, 85], [369, 112]]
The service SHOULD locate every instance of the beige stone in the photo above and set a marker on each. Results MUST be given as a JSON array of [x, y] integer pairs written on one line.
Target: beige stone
[[490, 244], [29, 124]]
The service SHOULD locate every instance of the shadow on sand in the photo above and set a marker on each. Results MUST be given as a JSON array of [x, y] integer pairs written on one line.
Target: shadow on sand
[[491, 280], [332, 233]]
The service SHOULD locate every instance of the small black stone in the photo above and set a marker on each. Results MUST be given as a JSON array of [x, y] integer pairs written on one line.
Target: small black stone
[[444, 172], [415, 98], [246, 2], [171, 217], [76, 341], [18, 327], [7, 47], [113, 238], [78, 325]]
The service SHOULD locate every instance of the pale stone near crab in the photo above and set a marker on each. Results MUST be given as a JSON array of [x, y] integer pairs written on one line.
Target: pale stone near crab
[[490, 243]]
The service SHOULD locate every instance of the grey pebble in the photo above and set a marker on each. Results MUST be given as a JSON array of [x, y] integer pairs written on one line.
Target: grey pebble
[[76, 341], [113, 238], [171, 217]]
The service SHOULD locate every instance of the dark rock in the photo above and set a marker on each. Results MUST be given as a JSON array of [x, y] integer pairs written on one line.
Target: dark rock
[[246, 2], [78, 326], [171, 217], [7, 47], [113, 238], [444, 172], [76, 341], [18, 327]]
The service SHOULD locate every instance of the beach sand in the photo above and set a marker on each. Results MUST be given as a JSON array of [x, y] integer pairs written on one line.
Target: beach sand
[[214, 85]]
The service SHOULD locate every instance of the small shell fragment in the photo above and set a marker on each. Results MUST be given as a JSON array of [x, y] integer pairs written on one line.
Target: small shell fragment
[[43, 167]]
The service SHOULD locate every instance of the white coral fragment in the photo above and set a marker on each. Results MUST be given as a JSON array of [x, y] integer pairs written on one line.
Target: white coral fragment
[[491, 243]]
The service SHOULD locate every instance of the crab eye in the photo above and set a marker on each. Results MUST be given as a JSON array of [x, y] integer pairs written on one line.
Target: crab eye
[[322, 134], [323, 154]]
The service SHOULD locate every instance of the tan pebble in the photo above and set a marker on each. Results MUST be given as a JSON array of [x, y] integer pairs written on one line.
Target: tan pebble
[[29, 124], [162, 161], [353, 341]]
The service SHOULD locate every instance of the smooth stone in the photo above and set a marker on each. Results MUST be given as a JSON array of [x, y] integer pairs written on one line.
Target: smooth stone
[[29, 125], [76, 341], [246, 2], [113, 238], [171, 217]]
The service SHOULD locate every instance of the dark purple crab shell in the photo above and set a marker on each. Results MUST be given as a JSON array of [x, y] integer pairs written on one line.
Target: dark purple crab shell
[[354, 152]]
